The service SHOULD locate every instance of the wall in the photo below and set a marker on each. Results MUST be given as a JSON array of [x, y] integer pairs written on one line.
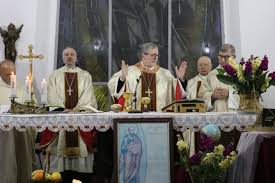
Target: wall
[[248, 25], [17, 13], [40, 28]]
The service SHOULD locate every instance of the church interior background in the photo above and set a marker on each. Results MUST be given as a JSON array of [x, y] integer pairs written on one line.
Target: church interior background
[[106, 31], [181, 29]]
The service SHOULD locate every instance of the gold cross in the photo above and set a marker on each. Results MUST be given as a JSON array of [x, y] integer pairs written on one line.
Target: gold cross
[[149, 92], [31, 56]]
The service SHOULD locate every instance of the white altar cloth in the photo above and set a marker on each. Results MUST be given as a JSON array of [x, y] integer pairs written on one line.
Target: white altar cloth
[[227, 121]]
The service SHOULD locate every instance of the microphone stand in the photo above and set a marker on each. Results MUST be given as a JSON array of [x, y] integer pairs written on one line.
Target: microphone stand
[[135, 97]]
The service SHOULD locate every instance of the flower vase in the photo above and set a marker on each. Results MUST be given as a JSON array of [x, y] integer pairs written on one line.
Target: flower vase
[[250, 103]]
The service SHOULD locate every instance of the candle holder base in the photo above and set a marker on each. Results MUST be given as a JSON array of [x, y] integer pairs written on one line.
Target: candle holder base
[[27, 108]]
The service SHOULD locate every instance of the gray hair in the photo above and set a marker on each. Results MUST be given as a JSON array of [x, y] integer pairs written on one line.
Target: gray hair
[[227, 47], [145, 47]]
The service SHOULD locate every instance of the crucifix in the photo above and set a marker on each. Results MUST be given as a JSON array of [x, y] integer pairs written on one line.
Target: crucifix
[[70, 91], [31, 56], [148, 92]]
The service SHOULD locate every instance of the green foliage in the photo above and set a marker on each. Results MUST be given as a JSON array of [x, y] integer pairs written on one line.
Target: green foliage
[[101, 93]]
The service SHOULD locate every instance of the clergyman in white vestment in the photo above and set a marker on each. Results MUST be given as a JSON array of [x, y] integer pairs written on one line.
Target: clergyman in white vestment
[[147, 79], [220, 97], [204, 66], [71, 89]]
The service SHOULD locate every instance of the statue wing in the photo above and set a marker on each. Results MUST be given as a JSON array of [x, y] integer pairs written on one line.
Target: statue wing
[[19, 29], [3, 32]]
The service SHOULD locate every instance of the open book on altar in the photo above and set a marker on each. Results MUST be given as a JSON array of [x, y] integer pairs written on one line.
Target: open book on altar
[[186, 105]]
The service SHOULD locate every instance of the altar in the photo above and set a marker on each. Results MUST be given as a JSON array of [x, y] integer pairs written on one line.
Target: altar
[[103, 121]]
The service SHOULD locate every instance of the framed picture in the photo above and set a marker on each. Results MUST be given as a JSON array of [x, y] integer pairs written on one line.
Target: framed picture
[[143, 150]]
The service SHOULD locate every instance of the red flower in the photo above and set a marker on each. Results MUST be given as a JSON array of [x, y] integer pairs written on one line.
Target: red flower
[[230, 70], [264, 64]]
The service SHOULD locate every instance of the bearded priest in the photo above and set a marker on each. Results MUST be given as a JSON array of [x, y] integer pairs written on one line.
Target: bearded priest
[[70, 89]]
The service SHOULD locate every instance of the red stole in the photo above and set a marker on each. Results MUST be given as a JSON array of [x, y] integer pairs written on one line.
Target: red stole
[[71, 99], [148, 88]]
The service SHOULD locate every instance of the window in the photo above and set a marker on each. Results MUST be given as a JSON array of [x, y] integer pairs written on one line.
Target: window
[[106, 31]]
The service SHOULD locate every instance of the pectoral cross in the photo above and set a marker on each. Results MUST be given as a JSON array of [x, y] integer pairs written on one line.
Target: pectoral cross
[[70, 91], [149, 92], [31, 56]]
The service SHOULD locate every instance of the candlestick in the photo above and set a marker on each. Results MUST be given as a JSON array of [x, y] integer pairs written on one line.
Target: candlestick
[[13, 84], [44, 91], [28, 89]]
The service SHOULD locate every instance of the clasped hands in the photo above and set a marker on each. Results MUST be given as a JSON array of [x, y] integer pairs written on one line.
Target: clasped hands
[[220, 93]]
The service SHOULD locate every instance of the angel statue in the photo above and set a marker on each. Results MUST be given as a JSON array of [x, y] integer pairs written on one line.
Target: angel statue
[[9, 38]]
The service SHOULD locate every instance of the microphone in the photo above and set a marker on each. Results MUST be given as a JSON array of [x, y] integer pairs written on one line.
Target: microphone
[[135, 93]]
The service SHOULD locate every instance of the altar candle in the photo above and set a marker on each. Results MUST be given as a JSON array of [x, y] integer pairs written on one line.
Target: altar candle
[[13, 84], [28, 89], [44, 91]]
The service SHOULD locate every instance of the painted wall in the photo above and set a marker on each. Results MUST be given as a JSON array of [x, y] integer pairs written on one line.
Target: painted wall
[[247, 24]]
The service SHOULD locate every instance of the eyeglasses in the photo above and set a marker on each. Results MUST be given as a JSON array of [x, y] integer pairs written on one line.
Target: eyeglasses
[[152, 55], [226, 57]]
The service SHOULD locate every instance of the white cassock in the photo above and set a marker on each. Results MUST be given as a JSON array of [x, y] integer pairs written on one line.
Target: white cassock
[[86, 101], [192, 89], [16, 148], [165, 86], [230, 103], [194, 85], [56, 89]]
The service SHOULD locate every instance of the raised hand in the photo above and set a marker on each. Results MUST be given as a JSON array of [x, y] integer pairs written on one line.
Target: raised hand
[[124, 70], [180, 72]]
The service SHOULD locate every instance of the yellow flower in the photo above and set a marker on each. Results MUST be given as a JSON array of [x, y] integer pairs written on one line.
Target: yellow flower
[[266, 84], [240, 73], [208, 157], [182, 145], [233, 158], [256, 64], [233, 153], [225, 164], [233, 63], [219, 149]]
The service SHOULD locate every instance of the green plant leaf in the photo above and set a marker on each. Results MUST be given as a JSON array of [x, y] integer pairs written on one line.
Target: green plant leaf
[[229, 80], [221, 71]]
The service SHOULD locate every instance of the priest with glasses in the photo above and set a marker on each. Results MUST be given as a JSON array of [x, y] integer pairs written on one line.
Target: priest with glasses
[[147, 79]]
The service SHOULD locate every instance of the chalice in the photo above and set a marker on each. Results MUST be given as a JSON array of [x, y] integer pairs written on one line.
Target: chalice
[[128, 96]]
